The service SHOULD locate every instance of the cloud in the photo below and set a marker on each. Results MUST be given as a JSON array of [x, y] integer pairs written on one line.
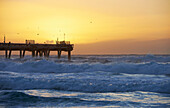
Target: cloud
[[160, 46]]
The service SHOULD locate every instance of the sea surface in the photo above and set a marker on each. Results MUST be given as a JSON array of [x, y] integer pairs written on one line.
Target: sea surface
[[85, 81]]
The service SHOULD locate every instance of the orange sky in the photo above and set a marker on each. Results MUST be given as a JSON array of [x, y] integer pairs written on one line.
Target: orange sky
[[84, 21]]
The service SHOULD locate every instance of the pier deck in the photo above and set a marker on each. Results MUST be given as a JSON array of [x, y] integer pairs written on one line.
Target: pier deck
[[36, 49]]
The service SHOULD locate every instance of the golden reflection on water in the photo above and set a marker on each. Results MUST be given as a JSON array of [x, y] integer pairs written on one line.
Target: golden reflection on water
[[45, 93], [140, 97]]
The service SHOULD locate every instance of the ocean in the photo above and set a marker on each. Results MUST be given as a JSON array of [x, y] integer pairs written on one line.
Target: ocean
[[85, 81]]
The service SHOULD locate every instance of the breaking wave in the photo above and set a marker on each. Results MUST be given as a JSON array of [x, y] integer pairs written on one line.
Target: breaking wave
[[44, 66], [19, 98]]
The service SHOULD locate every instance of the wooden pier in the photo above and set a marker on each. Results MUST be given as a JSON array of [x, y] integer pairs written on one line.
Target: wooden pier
[[36, 49]]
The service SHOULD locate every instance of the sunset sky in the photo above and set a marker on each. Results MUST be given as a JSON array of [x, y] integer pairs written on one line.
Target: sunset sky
[[87, 21]]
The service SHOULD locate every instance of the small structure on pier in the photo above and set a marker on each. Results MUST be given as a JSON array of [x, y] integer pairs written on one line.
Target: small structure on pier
[[30, 41], [37, 49]]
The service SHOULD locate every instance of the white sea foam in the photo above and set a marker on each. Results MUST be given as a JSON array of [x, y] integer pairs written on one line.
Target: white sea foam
[[85, 82], [50, 66], [35, 73]]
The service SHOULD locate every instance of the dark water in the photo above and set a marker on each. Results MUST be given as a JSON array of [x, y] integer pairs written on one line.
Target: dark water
[[86, 81]]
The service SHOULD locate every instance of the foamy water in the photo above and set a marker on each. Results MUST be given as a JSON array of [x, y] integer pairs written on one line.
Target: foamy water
[[86, 81]]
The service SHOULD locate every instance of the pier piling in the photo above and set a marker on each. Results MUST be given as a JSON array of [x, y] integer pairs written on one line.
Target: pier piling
[[33, 53], [59, 54], [41, 53], [37, 53], [69, 55], [48, 53], [23, 53], [10, 51], [20, 53], [6, 53]]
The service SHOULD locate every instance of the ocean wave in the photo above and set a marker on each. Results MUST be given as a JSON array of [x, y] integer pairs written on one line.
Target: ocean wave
[[122, 58], [53, 98], [20, 99], [86, 82], [132, 58], [85, 77], [45, 66]]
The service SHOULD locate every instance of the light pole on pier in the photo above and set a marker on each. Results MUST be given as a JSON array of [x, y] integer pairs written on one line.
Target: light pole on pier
[[4, 38]]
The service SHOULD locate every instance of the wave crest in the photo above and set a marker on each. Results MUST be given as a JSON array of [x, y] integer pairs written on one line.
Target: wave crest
[[53, 67]]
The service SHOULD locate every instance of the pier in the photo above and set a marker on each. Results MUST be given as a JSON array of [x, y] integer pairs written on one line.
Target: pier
[[37, 49]]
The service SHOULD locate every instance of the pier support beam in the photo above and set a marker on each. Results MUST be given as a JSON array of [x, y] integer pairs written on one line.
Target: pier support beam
[[48, 53], [45, 53], [33, 53], [20, 53], [69, 55], [6, 53], [41, 53], [37, 53], [10, 51], [59, 54], [23, 53]]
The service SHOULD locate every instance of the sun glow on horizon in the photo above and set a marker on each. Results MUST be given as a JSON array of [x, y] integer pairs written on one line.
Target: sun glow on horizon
[[84, 21]]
